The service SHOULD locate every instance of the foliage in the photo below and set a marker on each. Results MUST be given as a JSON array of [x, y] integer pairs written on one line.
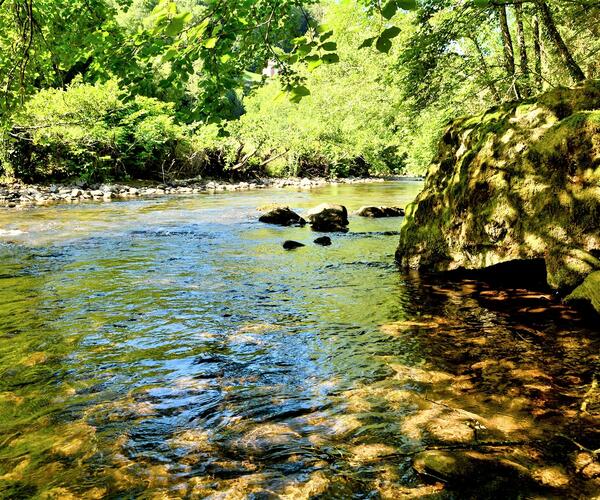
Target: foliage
[[347, 125], [92, 132], [368, 84]]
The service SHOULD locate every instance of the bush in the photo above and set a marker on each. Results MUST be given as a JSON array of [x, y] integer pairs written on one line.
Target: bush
[[91, 132]]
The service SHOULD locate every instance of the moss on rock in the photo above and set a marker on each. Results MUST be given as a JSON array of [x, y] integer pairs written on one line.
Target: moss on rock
[[520, 181], [587, 292]]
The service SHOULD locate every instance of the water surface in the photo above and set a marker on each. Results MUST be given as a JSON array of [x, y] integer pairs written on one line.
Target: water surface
[[170, 348]]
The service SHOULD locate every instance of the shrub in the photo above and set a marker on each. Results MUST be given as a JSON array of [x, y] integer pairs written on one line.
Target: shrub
[[91, 132]]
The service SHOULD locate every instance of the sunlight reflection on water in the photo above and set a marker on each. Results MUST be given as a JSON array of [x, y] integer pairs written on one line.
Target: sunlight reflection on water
[[172, 347]]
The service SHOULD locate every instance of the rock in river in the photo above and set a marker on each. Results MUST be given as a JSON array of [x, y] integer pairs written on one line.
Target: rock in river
[[377, 212], [328, 218], [282, 216], [291, 245], [520, 182], [324, 241]]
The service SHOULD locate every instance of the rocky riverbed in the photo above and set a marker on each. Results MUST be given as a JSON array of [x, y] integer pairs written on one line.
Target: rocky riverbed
[[20, 195]]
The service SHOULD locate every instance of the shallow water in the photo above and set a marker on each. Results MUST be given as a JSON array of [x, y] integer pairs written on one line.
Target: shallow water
[[171, 348]]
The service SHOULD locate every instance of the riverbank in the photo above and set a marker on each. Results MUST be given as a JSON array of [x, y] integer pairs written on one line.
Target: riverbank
[[18, 195]]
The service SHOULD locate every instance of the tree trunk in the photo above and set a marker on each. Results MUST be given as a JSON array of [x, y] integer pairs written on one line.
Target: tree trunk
[[537, 48], [509, 52], [572, 66], [523, 59], [488, 79]]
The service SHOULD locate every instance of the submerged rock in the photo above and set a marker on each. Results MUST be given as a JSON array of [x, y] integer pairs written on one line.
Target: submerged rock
[[291, 245], [328, 218], [472, 469], [282, 216], [519, 182], [378, 212], [324, 241]]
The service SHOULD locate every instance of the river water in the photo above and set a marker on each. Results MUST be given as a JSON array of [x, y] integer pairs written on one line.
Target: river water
[[170, 348]]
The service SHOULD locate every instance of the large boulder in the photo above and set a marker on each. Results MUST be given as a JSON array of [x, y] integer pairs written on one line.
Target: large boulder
[[378, 212], [518, 182], [282, 216], [328, 218]]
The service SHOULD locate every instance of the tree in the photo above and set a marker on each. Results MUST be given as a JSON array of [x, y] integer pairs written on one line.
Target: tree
[[554, 35], [509, 53], [523, 58]]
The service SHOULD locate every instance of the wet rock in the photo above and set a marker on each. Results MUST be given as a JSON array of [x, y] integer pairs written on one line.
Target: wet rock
[[324, 241], [588, 292], [328, 218], [291, 245], [282, 216], [443, 465], [471, 469], [17, 195], [378, 212], [518, 183]]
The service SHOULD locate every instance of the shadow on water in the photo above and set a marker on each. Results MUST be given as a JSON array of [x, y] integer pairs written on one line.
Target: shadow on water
[[181, 352]]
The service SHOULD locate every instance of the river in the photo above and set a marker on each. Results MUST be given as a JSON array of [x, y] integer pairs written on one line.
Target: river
[[170, 348]]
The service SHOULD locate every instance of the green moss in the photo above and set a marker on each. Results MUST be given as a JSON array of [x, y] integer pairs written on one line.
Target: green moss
[[517, 182], [587, 292]]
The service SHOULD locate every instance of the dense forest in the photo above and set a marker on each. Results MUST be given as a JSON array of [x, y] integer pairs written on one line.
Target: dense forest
[[118, 89]]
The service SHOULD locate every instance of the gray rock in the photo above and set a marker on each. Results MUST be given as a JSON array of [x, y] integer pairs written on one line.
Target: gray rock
[[282, 216], [328, 218], [291, 245], [377, 212], [324, 241]]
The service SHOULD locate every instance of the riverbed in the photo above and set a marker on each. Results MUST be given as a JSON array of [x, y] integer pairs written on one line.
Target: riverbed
[[171, 348]]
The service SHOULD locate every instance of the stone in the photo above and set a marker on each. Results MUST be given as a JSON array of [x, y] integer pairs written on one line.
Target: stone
[[588, 292], [515, 183], [377, 212], [291, 245], [324, 241], [282, 216], [328, 218], [473, 470]]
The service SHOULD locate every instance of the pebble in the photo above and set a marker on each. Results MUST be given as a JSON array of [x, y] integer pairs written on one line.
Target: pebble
[[19, 195]]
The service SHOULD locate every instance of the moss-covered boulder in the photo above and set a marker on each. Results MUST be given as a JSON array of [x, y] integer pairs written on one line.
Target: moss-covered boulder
[[588, 292], [520, 181]]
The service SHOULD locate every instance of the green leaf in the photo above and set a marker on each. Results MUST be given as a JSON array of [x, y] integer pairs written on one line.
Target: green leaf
[[170, 54], [211, 43], [312, 65], [383, 45], [303, 50], [331, 58], [177, 23], [407, 4], [367, 43], [323, 28], [301, 91], [482, 3], [329, 46], [326, 35], [389, 9], [392, 32]]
